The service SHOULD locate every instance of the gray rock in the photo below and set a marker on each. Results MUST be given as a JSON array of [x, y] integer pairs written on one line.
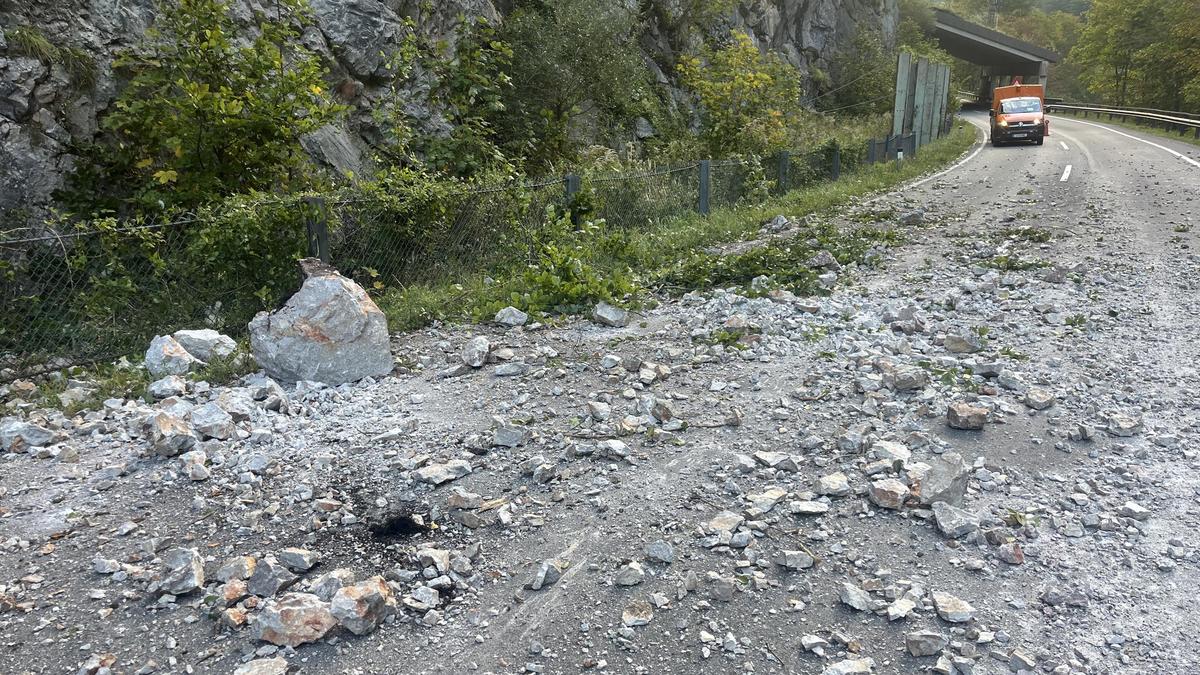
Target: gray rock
[[966, 416], [660, 551], [888, 493], [205, 344], [1134, 510], [166, 356], [946, 480], [630, 575], [952, 608], [328, 584], [436, 474], [170, 435], [966, 343], [298, 559], [330, 331], [185, 571], [171, 385], [548, 573], [360, 608], [833, 485], [508, 436], [637, 613], [16, 434], [925, 642], [273, 666], [294, 619], [1122, 425], [1039, 399], [269, 577], [608, 315], [855, 597], [511, 317], [850, 667], [210, 421], [794, 560], [954, 522], [475, 352]]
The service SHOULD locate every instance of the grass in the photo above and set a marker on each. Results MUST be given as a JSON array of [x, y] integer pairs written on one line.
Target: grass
[[31, 42], [673, 254], [1189, 137]]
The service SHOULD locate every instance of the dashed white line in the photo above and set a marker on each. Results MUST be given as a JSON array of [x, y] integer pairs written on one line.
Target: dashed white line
[[1064, 145], [1066, 174], [1185, 158]]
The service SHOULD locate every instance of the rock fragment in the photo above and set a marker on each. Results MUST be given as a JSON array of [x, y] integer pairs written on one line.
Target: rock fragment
[[608, 315], [925, 642], [511, 317], [475, 352], [965, 416], [185, 571], [205, 344], [170, 435], [888, 493], [436, 474], [294, 619], [360, 608], [548, 573], [637, 613], [954, 522], [166, 356], [952, 608], [851, 667]]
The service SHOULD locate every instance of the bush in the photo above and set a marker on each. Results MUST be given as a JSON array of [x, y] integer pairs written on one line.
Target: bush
[[746, 98], [204, 118]]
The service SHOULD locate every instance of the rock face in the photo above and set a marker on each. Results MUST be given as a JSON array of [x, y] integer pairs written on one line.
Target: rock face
[[43, 113], [330, 331]]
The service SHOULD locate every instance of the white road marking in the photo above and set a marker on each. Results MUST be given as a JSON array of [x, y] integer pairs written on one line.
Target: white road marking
[[1185, 158], [1066, 174], [1064, 145]]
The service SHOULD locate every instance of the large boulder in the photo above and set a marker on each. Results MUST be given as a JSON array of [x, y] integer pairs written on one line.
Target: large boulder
[[330, 331]]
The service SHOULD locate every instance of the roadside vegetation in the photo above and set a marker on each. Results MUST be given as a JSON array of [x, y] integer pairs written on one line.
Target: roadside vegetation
[[209, 129]]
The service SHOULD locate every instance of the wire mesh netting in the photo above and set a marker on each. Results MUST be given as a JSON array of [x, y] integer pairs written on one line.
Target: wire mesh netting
[[102, 293], [102, 290], [630, 200]]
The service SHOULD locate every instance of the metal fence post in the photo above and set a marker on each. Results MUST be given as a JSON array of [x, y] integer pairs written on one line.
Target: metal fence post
[[871, 151], [889, 146], [835, 170], [572, 184], [705, 186], [785, 165], [316, 224]]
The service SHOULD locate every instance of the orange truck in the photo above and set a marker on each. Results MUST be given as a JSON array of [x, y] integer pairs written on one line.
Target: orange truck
[[1018, 114]]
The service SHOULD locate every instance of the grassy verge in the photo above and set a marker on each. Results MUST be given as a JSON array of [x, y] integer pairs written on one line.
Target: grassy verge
[[671, 255], [1188, 138]]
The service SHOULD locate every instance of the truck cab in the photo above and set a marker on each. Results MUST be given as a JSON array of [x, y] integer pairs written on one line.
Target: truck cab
[[1018, 115]]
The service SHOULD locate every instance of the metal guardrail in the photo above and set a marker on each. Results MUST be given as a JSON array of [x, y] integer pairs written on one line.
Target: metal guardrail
[[1169, 120]]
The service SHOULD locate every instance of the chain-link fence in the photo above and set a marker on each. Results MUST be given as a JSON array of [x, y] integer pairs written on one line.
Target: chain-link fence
[[102, 290]]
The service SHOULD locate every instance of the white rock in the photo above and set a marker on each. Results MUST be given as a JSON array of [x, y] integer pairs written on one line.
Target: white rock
[[205, 344]]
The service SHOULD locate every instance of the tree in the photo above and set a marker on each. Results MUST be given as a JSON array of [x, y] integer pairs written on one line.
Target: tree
[[203, 117], [575, 63], [745, 96], [1111, 46]]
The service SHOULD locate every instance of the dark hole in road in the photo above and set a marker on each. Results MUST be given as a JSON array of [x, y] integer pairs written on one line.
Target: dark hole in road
[[398, 525]]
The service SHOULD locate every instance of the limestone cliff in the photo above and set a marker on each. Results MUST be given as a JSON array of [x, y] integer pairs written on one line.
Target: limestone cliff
[[45, 105]]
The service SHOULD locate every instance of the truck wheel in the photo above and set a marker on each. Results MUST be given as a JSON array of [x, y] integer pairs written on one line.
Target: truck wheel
[[1040, 140], [995, 142]]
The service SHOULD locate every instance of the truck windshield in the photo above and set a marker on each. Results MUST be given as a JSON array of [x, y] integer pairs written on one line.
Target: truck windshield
[[1021, 105]]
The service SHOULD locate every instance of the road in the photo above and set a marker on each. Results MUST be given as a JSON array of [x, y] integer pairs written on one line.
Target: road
[[1068, 270]]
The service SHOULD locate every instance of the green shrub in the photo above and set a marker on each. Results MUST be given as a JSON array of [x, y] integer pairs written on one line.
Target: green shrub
[[204, 118]]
